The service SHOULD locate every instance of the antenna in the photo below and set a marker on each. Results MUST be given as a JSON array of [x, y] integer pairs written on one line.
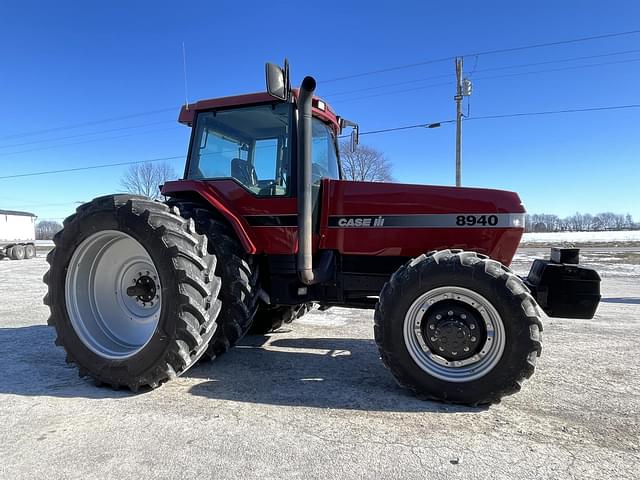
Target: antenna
[[184, 67], [287, 80]]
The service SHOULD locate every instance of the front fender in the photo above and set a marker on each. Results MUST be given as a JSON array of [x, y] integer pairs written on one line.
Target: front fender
[[198, 188]]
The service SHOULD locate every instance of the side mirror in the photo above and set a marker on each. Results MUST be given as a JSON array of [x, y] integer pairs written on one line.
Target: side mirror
[[355, 133], [355, 138], [278, 80]]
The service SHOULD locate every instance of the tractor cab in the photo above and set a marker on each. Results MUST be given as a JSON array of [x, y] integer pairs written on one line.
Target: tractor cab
[[252, 140]]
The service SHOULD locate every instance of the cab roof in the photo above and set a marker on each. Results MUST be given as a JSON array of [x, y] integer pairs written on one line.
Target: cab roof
[[321, 109]]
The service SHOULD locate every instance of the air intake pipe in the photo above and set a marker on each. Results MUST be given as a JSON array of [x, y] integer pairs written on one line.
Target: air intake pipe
[[306, 272]]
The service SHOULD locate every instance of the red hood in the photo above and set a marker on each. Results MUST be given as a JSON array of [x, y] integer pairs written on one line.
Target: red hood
[[398, 198]]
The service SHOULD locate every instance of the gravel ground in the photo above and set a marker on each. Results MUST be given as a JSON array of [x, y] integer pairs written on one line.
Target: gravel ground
[[314, 401]]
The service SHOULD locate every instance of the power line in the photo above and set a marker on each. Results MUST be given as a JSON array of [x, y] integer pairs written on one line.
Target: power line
[[477, 54], [407, 127], [553, 112], [371, 132], [91, 167], [506, 115], [515, 74], [8, 154], [487, 52], [561, 60], [505, 67], [86, 134], [573, 67], [413, 89], [385, 85], [85, 124]]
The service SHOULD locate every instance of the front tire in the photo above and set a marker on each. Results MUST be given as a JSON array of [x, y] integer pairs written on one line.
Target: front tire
[[132, 291], [458, 327]]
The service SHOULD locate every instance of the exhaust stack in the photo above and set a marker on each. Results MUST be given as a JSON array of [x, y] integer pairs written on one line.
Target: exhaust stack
[[306, 273]]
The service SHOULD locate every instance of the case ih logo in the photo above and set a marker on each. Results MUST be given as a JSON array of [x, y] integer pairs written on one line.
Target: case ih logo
[[431, 220], [361, 222]]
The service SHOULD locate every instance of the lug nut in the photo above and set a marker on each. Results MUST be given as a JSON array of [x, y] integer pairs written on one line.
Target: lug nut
[[441, 349], [450, 313], [454, 353], [472, 327], [463, 316], [466, 349], [473, 339], [438, 317], [433, 339], [432, 327]]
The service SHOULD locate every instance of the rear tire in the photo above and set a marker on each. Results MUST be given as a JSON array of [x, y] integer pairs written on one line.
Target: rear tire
[[29, 251], [128, 340], [17, 252], [270, 318], [448, 301], [238, 272]]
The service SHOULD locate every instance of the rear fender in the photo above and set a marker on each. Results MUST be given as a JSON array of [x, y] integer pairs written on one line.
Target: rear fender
[[196, 190]]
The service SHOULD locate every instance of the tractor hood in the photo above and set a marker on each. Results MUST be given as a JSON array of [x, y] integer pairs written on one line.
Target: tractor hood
[[351, 198], [409, 220]]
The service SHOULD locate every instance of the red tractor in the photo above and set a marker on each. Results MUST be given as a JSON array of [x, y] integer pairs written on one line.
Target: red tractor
[[263, 224]]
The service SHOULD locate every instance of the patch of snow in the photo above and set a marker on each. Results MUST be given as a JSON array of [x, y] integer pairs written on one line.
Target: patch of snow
[[582, 237]]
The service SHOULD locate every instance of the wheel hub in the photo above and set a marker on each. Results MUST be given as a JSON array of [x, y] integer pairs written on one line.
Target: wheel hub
[[143, 289], [452, 330], [442, 320]]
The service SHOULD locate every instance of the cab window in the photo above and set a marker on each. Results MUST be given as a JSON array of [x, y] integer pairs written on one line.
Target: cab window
[[323, 151], [249, 145]]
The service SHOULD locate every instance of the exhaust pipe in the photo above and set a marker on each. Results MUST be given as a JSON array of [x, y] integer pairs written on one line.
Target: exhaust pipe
[[305, 259]]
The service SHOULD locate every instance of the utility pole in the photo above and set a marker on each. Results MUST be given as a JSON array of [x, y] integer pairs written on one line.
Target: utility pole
[[458, 99]]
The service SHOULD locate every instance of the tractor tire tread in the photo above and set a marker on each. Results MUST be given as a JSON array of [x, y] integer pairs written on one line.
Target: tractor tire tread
[[238, 272], [197, 304]]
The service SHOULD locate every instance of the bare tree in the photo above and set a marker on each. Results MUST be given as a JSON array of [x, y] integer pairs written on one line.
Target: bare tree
[[46, 229], [541, 222], [365, 164], [145, 178], [628, 222]]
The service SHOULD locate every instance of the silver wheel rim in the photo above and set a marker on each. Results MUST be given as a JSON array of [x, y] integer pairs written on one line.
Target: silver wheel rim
[[107, 320], [489, 353]]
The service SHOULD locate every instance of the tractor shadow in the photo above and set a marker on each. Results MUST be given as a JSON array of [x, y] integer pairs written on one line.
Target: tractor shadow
[[34, 366], [623, 300], [334, 373]]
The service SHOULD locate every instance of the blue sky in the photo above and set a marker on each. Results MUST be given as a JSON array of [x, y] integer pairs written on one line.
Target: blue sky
[[67, 63]]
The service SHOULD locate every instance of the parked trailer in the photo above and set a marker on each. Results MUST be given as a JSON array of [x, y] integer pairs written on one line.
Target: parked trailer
[[17, 235]]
